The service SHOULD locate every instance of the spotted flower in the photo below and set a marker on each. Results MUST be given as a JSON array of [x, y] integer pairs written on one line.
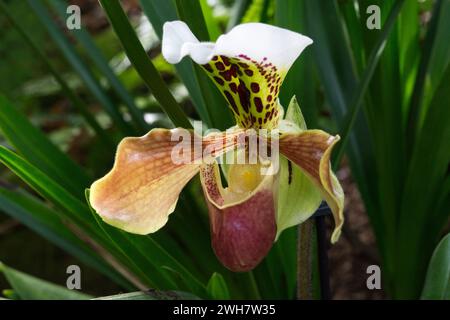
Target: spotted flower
[[248, 65]]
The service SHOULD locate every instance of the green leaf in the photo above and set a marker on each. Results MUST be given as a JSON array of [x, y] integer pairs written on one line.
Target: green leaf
[[254, 11], [143, 64], [425, 180], [10, 295], [49, 189], [68, 92], [101, 63], [73, 209], [135, 259], [372, 63], [434, 59], [237, 12], [35, 146], [149, 258], [437, 283], [32, 288], [79, 66], [151, 295], [190, 11], [409, 49], [217, 287], [48, 223], [439, 55], [211, 23], [351, 14]]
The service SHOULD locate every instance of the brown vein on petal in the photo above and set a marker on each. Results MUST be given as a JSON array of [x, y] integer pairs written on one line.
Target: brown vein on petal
[[142, 189], [167, 187]]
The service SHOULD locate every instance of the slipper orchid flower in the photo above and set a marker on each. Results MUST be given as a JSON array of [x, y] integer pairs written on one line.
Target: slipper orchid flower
[[248, 65]]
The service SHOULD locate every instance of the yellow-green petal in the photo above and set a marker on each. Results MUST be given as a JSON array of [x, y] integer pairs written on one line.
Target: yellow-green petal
[[298, 196]]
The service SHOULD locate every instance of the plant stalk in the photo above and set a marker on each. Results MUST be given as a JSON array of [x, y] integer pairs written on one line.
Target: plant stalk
[[322, 251], [305, 260]]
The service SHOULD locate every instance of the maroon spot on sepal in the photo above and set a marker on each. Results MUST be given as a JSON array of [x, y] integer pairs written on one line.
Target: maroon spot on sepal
[[231, 101], [220, 66], [235, 71], [244, 96], [207, 67], [243, 56], [258, 104], [226, 75], [233, 87], [225, 60], [248, 72], [219, 80], [255, 87]]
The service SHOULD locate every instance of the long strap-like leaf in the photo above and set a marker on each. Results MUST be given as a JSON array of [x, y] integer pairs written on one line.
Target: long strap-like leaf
[[143, 64]]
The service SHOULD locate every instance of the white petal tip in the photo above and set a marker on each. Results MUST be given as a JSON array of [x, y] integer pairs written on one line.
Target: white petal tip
[[308, 41], [178, 41], [175, 35]]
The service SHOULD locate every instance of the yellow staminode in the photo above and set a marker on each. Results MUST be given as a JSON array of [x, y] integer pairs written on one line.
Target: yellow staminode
[[244, 177]]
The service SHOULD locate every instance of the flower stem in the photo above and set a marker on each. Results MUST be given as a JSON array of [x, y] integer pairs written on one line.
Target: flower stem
[[322, 252], [305, 260], [253, 285]]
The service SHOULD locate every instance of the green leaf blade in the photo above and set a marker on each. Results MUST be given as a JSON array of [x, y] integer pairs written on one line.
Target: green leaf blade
[[32, 288], [39, 151], [437, 283], [143, 64], [217, 287]]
